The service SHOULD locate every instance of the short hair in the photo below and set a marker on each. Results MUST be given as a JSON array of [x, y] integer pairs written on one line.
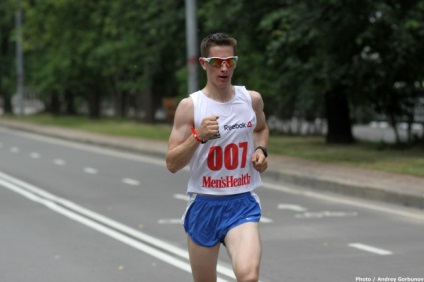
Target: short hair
[[216, 39]]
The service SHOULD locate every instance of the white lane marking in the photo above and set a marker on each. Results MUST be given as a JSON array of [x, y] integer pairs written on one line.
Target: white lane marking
[[361, 203], [183, 197], [130, 236], [99, 227], [35, 155], [323, 214], [266, 220], [90, 148], [370, 249], [1, 145], [59, 162], [130, 181], [291, 207], [90, 170], [14, 150], [170, 221]]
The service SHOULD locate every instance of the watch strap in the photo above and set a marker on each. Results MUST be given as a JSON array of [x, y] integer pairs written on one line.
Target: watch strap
[[263, 150]]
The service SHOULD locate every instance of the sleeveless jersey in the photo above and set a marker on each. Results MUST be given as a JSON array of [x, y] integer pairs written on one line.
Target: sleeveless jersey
[[223, 166]]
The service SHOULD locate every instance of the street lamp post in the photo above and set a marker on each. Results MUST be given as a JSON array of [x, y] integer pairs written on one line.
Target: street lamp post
[[191, 34], [19, 58]]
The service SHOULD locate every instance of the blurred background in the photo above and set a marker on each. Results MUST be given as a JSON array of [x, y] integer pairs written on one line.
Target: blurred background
[[339, 69]]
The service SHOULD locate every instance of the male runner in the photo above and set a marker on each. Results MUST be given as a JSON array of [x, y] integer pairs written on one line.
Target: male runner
[[222, 132]]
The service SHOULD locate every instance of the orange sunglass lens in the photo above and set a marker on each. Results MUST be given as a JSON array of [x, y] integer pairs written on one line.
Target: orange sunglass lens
[[217, 62]]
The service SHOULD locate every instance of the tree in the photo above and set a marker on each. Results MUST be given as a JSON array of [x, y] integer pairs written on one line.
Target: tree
[[391, 72], [7, 55], [348, 53], [307, 58], [310, 46], [105, 51]]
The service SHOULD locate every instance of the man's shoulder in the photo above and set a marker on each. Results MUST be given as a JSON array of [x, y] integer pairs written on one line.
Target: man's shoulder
[[248, 91], [194, 97], [255, 98], [185, 104], [254, 94]]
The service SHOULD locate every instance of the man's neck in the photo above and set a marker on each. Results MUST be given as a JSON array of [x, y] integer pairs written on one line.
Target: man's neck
[[219, 94]]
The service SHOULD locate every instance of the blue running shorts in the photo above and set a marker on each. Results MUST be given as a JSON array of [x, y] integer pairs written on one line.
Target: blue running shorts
[[208, 219]]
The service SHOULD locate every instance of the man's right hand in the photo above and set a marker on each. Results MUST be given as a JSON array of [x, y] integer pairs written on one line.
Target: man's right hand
[[208, 127]]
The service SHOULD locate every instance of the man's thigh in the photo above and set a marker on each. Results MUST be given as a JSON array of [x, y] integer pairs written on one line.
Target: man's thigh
[[244, 247], [203, 261]]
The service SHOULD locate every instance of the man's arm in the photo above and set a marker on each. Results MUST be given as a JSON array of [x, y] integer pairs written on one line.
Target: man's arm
[[261, 132], [180, 147], [182, 144]]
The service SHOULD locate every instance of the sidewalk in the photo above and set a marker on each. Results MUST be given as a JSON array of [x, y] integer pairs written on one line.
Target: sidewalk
[[372, 185]]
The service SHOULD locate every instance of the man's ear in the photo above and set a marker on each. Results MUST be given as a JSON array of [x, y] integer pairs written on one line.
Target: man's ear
[[202, 63]]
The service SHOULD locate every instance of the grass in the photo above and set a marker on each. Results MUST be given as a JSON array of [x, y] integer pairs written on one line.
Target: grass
[[106, 126], [406, 160], [375, 156]]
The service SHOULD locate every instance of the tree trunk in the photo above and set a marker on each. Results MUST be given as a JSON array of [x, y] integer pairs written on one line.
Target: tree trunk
[[410, 117], [54, 107], [149, 106], [339, 129], [94, 102], [393, 123], [7, 104], [70, 103], [117, 103], [123, 110], [5, 52], [136, 103]]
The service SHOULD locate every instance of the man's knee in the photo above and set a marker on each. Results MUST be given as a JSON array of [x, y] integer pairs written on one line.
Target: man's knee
[[247, 273]]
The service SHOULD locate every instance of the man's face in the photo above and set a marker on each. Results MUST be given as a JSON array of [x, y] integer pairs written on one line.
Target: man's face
[[219, 76]]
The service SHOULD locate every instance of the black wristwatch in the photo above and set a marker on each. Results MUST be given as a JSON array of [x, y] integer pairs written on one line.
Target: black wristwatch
[[263, 150]]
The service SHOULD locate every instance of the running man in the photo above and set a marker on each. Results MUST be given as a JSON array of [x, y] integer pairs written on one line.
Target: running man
[[221, 131]]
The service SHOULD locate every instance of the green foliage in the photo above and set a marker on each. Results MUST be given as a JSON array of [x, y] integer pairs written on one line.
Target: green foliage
[[7, 49], [370, 49], [103, 49]]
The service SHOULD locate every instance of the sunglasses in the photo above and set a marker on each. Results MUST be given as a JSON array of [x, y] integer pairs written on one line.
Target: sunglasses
[[218, 62]]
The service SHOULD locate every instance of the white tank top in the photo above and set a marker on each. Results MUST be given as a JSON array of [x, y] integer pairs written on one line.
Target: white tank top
[[223, 166]]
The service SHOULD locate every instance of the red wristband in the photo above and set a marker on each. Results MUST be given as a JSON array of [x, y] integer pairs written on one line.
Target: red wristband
[[197, 137]]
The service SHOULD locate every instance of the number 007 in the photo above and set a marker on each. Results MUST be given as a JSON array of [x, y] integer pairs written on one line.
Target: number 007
[[229, 156]]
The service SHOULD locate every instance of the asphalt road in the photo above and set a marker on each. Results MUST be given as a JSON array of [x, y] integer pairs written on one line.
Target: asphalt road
[[72, 212]]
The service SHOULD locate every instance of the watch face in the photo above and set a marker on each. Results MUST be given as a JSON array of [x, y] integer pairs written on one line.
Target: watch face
[[215, 136]]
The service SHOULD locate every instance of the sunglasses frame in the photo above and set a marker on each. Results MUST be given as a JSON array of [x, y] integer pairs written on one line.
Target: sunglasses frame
[[224, 60]]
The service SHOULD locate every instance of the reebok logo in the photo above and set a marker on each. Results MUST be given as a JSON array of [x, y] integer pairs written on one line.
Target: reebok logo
[[237, 126]]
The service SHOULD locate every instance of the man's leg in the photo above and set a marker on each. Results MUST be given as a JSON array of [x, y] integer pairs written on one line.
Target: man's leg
[[244, 247], [203, 261]]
